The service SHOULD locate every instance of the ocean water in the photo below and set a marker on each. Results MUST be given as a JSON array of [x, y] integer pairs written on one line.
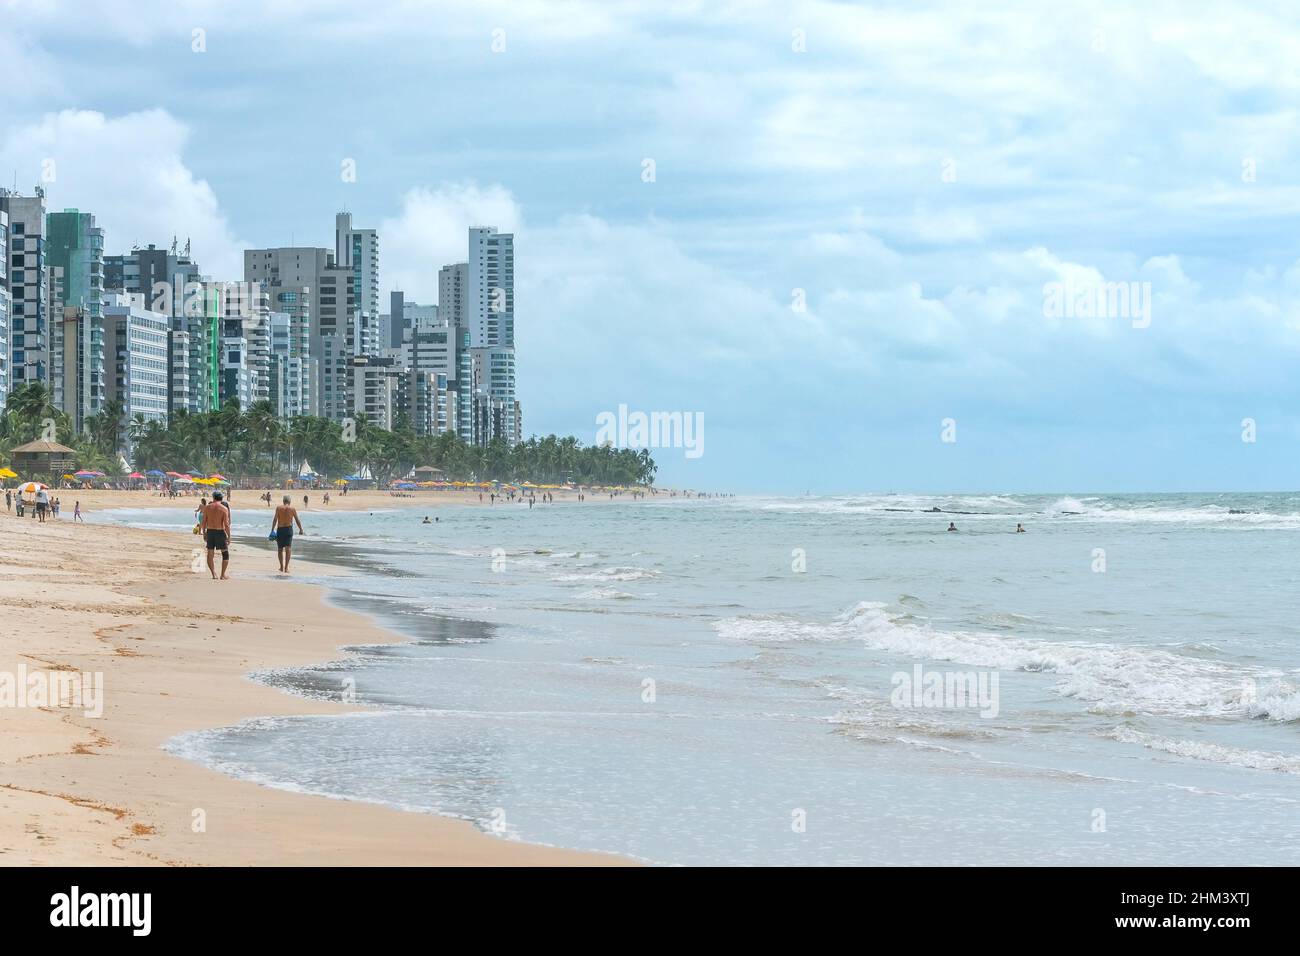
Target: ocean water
[[726, 681]]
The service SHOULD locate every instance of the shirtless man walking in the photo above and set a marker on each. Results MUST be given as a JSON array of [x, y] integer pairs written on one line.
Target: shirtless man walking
[[286, 516], [214, 524]]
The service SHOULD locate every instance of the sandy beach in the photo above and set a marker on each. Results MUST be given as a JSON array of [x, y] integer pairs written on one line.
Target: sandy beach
[[174, 648]]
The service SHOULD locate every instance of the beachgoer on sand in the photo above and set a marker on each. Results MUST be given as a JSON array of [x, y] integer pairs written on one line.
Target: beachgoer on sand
[[215, 528], [286, 516]]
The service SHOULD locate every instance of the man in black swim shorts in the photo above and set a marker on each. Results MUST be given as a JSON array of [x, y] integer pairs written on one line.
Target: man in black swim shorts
[[215, 525], [286, 516]]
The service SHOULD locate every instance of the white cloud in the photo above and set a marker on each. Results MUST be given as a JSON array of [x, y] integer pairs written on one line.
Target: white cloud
[[432, 230], [128, 171]]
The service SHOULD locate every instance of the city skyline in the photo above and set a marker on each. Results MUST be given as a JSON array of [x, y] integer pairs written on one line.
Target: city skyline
[[823, 274], [150, 334]]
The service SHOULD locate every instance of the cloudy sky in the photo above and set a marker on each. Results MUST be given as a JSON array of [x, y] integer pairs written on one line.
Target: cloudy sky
[[855, 210]]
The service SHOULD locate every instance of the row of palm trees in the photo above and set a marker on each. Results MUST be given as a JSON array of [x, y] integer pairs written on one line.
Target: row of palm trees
[[256, 443], [30, 413]]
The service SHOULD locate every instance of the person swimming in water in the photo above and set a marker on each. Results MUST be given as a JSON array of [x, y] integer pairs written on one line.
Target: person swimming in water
[[426, 520], [1020, 529], [952, 526]]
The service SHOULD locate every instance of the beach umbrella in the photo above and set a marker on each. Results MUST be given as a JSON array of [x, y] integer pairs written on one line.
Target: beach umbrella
[[6, 473], [31, 487], [88, 474], [135, 474], [217, 477], [154, 472], [340, 481], [175, 474]]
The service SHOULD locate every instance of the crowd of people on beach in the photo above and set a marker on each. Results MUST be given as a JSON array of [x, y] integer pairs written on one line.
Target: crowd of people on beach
[[40, 506]]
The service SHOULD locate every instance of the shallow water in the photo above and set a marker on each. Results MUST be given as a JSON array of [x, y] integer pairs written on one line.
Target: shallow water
[[722, 681]]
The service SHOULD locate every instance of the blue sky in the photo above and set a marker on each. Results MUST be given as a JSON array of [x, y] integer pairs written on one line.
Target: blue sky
[[919, 171]]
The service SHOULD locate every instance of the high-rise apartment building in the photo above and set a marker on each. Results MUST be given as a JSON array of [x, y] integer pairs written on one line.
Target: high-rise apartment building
[[137, 340], [4, 309], [169, 281], [489, 318], [453, 285], [27, 285], [245, 343], [490, 288], [357, 251], [321, 298], [74, 255]]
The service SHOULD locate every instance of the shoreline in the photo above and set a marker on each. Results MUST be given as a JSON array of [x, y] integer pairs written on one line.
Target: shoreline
[[247, 500], [175, 651]]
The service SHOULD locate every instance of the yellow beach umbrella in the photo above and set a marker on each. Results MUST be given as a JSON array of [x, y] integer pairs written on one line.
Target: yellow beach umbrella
[[6, 473]]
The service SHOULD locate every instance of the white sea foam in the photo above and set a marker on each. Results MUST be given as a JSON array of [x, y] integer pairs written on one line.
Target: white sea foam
[[1097, 509], [1111, 678], [1203, 750], [605, 594], [609, 574], [1087, 508]]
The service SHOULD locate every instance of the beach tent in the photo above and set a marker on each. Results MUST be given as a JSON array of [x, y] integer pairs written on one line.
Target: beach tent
[[306, 471]]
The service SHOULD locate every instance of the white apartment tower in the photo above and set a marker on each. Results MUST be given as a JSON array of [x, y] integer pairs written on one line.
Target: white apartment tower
[[137, 346], [357, 251], [490, 322], [490, 288]]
